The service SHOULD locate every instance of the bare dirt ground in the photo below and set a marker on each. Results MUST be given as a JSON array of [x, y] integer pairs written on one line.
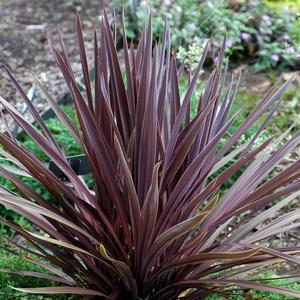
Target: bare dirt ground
[[24, 30], [25, 27]]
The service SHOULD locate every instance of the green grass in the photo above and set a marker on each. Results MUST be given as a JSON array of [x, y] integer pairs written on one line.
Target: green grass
[[10, 261], [245, 102], [284, 283], [278, 5]]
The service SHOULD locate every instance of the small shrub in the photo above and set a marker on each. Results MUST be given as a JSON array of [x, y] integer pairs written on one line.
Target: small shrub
[[154, 225]]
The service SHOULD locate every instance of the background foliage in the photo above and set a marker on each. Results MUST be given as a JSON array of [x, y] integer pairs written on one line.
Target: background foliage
[[267, 39]]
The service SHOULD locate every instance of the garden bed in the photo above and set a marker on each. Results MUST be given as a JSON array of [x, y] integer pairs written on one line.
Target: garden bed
[[24, 48]]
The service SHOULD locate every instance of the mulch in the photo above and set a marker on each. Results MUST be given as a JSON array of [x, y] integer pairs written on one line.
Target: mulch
[[24, 30]]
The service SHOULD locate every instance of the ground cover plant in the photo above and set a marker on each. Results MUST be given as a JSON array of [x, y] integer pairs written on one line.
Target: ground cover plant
[[266, 34], [153, 225]]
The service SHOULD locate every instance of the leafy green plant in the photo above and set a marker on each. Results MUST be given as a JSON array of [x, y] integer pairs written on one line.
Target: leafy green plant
[[277, 37], [153, 225], [266, 38], [183, 16]]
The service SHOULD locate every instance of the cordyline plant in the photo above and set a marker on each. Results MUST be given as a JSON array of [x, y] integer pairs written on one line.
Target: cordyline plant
[[154, 225]]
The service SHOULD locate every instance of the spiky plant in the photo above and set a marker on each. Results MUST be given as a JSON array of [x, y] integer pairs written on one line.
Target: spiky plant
[[154, 225]]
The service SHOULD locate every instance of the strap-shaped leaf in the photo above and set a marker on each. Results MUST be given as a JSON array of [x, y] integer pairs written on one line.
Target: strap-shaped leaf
[[61, 290]]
